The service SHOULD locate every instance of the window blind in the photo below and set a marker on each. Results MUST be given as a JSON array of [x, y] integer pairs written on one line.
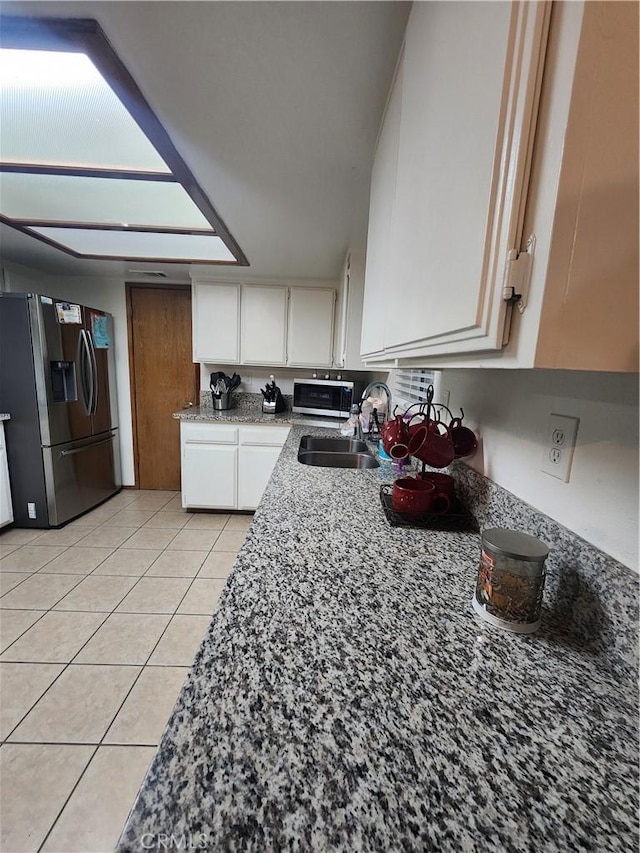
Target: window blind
[[410, 385]]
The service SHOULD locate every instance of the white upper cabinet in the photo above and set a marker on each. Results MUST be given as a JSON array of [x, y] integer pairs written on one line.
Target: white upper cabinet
[[310, 337], [468, 90], [503, 224], [216, 322], [266, 323], [263, 325], [379, 297]]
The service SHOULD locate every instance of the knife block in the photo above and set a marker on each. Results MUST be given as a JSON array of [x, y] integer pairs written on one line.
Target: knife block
[[272, 407]]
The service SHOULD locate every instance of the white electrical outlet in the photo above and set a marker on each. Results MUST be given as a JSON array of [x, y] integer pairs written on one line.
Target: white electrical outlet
[[559, 444], [31, 510]]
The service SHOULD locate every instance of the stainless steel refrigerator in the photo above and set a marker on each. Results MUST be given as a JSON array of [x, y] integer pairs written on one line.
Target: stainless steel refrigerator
[[57, 381]]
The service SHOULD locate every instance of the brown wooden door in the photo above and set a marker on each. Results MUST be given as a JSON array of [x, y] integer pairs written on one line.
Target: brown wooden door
[[163, 379]]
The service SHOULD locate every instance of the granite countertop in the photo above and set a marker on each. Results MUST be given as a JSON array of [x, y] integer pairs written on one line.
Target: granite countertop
[[346, 698], [242, 412], [247, 408]]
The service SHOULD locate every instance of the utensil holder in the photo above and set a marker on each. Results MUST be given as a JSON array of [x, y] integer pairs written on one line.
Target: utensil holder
[[222, 401]]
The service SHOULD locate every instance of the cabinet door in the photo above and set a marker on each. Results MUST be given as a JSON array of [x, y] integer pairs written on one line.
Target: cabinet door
[[255, 465], [216, 322], [209, 476], [310, 342], [264, 324], [6, 509], [378, 294], [469, 100]]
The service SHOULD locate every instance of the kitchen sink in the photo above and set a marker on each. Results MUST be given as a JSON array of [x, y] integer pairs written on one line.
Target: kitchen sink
[[327, 459], [335, 453], [333, 445]]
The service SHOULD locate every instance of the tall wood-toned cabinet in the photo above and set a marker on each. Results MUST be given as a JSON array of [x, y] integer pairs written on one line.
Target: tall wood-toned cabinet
[[589, 315], [503, 224]]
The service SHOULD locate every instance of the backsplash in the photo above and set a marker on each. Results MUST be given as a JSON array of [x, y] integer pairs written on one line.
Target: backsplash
[[254, 378], [590, 599], [240, 398]]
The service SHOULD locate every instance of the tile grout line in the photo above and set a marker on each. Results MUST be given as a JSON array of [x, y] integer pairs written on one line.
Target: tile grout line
[[71, 793], [103, 621], [66, 666], [128, 693]]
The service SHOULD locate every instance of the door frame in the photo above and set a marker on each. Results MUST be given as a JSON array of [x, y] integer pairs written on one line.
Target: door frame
[[143, 285]]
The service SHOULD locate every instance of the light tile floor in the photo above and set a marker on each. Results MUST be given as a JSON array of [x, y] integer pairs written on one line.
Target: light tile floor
[[99, 623]]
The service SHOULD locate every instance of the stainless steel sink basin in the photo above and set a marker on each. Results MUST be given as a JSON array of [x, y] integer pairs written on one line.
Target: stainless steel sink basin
[[335, 453], [328, 459], [333, 445]]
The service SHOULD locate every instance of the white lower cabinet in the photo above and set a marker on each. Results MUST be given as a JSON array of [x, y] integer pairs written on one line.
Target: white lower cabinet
[[225, 466], [209, 476], [6, 509], [255, 465]]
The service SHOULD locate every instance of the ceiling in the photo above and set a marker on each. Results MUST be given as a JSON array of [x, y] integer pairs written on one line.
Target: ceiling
[[275, 107]]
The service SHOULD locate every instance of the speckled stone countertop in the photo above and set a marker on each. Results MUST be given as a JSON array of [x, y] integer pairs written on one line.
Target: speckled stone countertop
[[247, 408], [346, 698]]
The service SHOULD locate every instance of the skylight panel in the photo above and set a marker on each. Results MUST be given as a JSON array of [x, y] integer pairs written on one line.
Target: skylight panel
[[85, 164], [57, 109], [139, 246], [64, 198]]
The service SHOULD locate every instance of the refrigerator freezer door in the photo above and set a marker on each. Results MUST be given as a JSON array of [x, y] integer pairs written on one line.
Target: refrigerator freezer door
[[101, 365], [80, 475]]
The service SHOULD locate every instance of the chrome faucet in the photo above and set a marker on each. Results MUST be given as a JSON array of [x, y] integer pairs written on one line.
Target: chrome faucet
[[357, 430], [386, 389]]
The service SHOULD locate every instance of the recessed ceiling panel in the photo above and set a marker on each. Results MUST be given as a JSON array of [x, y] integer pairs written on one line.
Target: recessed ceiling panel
[[57, 109], [107, 201], [139, 245]]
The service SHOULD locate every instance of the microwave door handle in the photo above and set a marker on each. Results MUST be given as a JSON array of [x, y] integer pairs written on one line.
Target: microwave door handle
[[93, 363], [81, 359]]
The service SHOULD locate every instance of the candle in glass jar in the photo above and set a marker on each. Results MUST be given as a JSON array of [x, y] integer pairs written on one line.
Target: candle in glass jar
[[510, 580]]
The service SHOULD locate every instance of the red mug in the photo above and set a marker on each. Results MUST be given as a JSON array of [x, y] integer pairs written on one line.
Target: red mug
[[394, 432], [411, 496], [436, 450], [463, 439], [444, 483], [415, 424]]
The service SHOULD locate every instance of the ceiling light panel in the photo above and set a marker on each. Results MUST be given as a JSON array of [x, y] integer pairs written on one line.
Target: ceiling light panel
[[107, 201], [139, 245], [57, 109]]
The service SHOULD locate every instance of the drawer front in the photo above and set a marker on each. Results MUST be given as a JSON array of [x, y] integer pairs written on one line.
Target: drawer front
[[216, 433], [270, 435]]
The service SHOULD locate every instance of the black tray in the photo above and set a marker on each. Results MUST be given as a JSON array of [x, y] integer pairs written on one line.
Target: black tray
[[456, 519]]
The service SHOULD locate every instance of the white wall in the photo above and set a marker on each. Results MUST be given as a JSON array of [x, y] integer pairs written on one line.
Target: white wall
[[510, 411]]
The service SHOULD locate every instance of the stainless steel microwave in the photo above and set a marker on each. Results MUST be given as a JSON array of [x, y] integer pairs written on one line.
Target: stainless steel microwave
[[329, 397]]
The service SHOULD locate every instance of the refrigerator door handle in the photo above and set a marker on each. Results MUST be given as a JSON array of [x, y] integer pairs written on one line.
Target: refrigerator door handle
[[93, 363], [81, 358], [86, 447]]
